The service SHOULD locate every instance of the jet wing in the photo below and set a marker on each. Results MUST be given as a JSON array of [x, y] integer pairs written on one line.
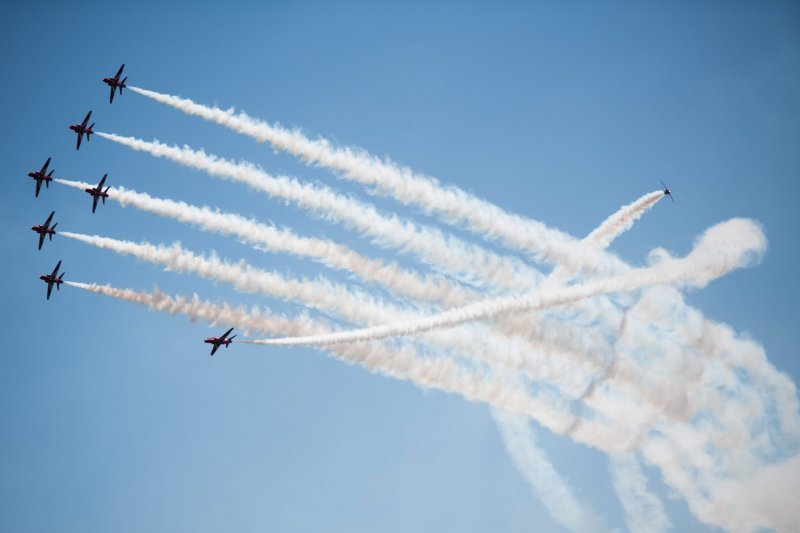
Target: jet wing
[[94, 202], [214, 349], [55, 270], [80, 136], [102, 181], [86, 120], [49, 289], [38, 187], [119, 72], [225, 335], [41, 240], [49, 219], [46, 164], [111, 98]]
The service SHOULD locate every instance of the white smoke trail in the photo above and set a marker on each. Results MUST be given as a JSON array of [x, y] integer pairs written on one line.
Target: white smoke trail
[[455, 256], [552, 490], [622, 220], [451, 203], [399, 362], [643, 511], [246, 319], [509, 355], [722, 248], [761, 369], [401, 281]]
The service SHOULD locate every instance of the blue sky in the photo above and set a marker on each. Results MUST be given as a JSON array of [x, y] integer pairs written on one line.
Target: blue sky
[[116, 419]]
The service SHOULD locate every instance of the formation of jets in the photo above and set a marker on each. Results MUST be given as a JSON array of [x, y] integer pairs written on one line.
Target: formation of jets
[[97, 193]]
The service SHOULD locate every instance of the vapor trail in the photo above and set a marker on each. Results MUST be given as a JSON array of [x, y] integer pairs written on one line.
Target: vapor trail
[[507, 354], [454, 205], [643, 510], [401, 281], [552, 490], [455, 256], [401, 362], [722, 248]]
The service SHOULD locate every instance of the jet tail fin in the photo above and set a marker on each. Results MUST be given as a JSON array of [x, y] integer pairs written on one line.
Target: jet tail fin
[[123, 84]]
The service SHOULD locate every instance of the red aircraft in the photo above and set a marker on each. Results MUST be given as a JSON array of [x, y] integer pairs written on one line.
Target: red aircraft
[[98, 192], [667, 192], [42, 176], [219, 341], [114, 83], [53, 279], [81, 128], [45, 229]]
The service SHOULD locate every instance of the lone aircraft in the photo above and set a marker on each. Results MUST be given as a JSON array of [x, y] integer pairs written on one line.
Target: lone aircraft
[[42, 176], [667, 192], [81, 128], [98, 192], [115, 83], [45, 229], [219, 341], [53, 279]]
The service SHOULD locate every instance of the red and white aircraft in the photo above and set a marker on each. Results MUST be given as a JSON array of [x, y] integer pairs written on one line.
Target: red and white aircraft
[[115, 83], [53, 279], [82, 129], [219, 341], [42, 176], [45, 229], [98, 192]]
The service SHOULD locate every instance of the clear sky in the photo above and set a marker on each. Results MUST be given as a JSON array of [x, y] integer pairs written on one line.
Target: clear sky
[[115, 419]]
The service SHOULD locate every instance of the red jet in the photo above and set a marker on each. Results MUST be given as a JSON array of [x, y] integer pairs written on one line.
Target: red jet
[[42, 176], [81, 128], [217, 342], [45, 229], [667, 192], [114, 83], [98, 192], [53, 279]]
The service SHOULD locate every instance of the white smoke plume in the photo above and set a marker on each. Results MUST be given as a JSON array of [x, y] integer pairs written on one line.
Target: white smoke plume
[[402, 362], [722, 248], [643, 510], [451, 203], [453, 255], [550, 487], [401, 281]]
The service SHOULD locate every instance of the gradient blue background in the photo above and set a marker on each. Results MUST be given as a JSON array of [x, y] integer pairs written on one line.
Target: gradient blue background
[[115, 419]]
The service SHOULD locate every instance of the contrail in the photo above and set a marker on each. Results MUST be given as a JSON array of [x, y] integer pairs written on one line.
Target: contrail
[[401, 281], [355, 307], [722, 248], [750, 360], [644, 512], [399, 362], [552, 490], [246, 319], [459, 258], [622, 220], [451, 203]]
